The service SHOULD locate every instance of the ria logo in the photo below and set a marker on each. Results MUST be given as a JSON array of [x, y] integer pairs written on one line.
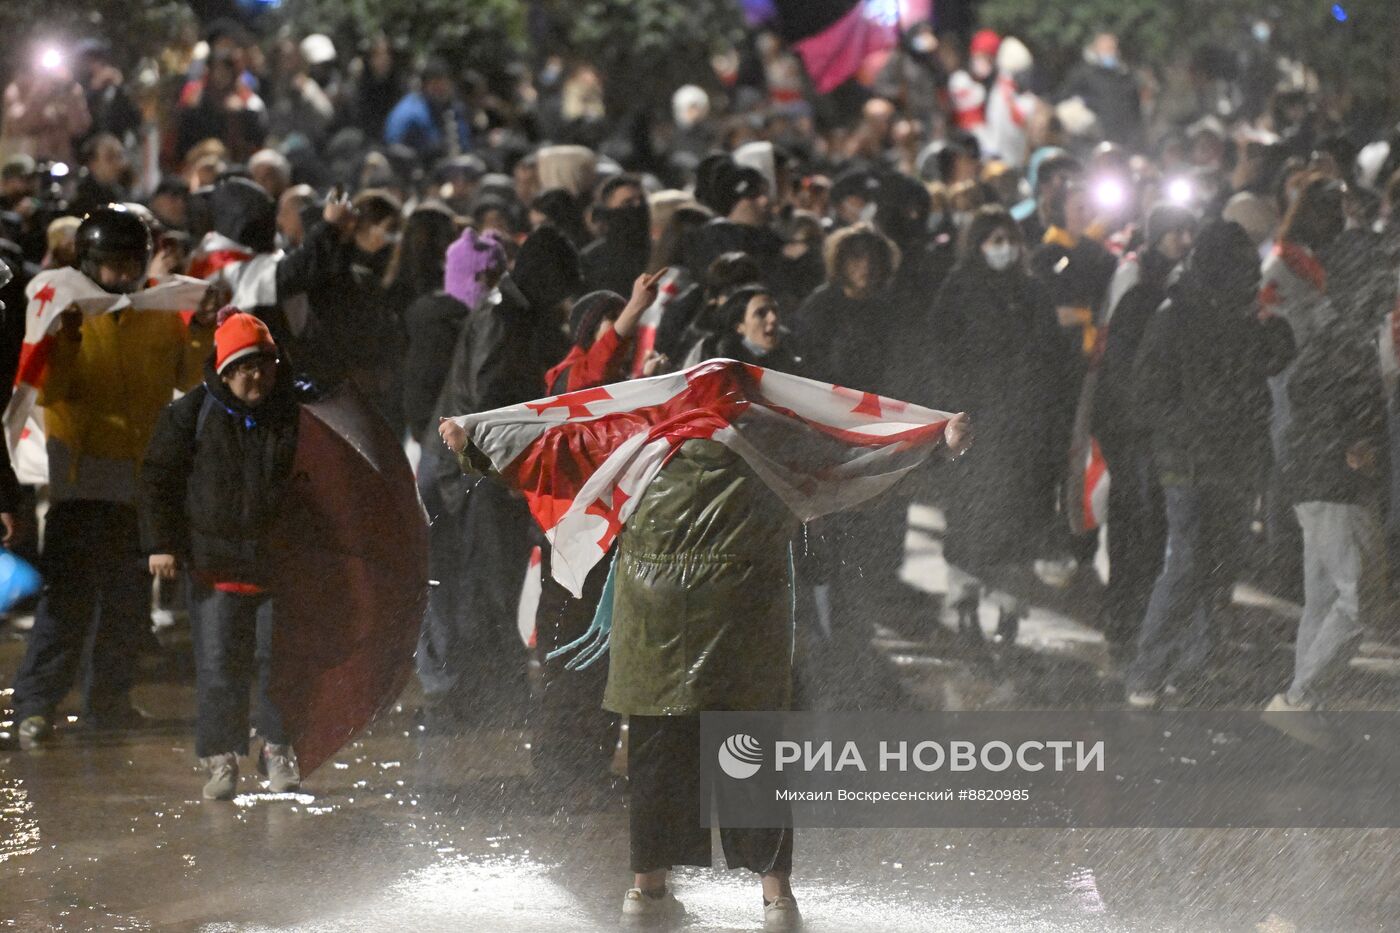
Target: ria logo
[[740, 756]]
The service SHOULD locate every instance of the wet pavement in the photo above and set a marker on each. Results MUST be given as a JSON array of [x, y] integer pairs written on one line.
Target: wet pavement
[[411, 830]]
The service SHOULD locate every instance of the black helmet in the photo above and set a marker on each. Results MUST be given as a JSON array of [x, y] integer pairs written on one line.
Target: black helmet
[[113, 234]]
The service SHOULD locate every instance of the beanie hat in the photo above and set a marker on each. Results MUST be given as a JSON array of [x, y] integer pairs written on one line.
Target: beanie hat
[[470, 255], [239, 334], [589, 311], [734, 183]]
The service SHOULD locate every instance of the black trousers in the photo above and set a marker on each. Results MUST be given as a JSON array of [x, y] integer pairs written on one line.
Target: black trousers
[[95, 604], [1137, 537], [573, 736], [663, 774]]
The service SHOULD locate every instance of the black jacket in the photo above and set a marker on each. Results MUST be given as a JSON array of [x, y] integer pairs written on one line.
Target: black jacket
[[210, 493], [1116, 421], [501, 357], [510, 346], [351, 326], [846, 340], [1337, 401], [1201, 382], [996, 355], [434, 322]]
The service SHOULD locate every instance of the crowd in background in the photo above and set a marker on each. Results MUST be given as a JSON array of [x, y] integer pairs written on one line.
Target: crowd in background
[[1204, 286]]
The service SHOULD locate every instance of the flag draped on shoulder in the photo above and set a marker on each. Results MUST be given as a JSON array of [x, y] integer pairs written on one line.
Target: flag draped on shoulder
[[51, 293], [251, 275], [584, 459]]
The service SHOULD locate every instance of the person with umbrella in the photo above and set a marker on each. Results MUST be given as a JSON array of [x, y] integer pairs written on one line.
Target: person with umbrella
[[211, 491]]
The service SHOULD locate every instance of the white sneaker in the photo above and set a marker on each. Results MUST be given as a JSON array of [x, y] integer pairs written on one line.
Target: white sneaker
[[781, 915], [1297, 721], [640, 906], [279, 763], [223, 776]]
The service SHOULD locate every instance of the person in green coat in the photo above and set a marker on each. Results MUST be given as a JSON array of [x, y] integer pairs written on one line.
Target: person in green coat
[[701, 622]]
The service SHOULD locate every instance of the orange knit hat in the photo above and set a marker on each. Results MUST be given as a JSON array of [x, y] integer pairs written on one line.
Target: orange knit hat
[[239, 335]]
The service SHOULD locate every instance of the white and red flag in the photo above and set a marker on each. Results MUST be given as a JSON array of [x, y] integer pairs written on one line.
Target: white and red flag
[[50, 294], [584, 459], [251, 275]]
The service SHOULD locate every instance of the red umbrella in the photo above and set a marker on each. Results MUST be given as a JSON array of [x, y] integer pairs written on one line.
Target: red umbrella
[[352, 556]]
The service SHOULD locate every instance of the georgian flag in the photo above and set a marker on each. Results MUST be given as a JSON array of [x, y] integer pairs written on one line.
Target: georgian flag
[[50, 294], [584, 459], [651, 318], [251, 275]]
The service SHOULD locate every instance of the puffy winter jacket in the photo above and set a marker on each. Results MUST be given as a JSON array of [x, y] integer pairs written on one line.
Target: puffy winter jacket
[[214, 477]]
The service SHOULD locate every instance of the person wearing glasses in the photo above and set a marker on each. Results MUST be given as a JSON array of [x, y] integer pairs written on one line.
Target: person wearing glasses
[[211, 489]]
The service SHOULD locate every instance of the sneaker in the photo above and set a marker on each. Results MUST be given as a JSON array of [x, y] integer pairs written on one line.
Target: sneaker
[[1298, 721], [279, 763], [223, 776], [782, 915], [34, 731], [640, 906], [1143, 699]]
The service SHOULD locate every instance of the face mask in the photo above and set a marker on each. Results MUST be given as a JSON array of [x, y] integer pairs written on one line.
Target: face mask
[[935, 221], [962, 218], [1108, 61], [1261, 31], [1000, 257], [924, 43]]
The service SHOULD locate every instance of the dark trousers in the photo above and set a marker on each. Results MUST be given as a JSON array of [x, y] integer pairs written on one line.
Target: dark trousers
[[663, 776], [1137, 536], [469, 649], [1205, 528], [92, 613], [572, 735], [232, 653]]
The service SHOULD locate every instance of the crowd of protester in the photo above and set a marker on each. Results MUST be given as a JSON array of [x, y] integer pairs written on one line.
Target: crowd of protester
[[1206, 290]]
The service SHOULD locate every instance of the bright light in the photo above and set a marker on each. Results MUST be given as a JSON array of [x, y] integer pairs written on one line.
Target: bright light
[[1180, 191], [1339, 13], [50, 59], [1110, 193], [58, 169]]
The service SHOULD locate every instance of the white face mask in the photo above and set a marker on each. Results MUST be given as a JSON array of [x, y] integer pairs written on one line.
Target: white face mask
[[1001, 256]]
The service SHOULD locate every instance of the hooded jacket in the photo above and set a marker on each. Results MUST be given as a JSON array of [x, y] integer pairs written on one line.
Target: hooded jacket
[[215, 475], [1202, 374]]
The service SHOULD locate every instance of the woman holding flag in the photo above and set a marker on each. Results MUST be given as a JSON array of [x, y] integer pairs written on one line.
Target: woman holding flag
[[701, 478]]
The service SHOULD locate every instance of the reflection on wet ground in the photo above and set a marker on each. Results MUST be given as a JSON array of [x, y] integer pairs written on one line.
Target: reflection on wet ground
[[411, 830]]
